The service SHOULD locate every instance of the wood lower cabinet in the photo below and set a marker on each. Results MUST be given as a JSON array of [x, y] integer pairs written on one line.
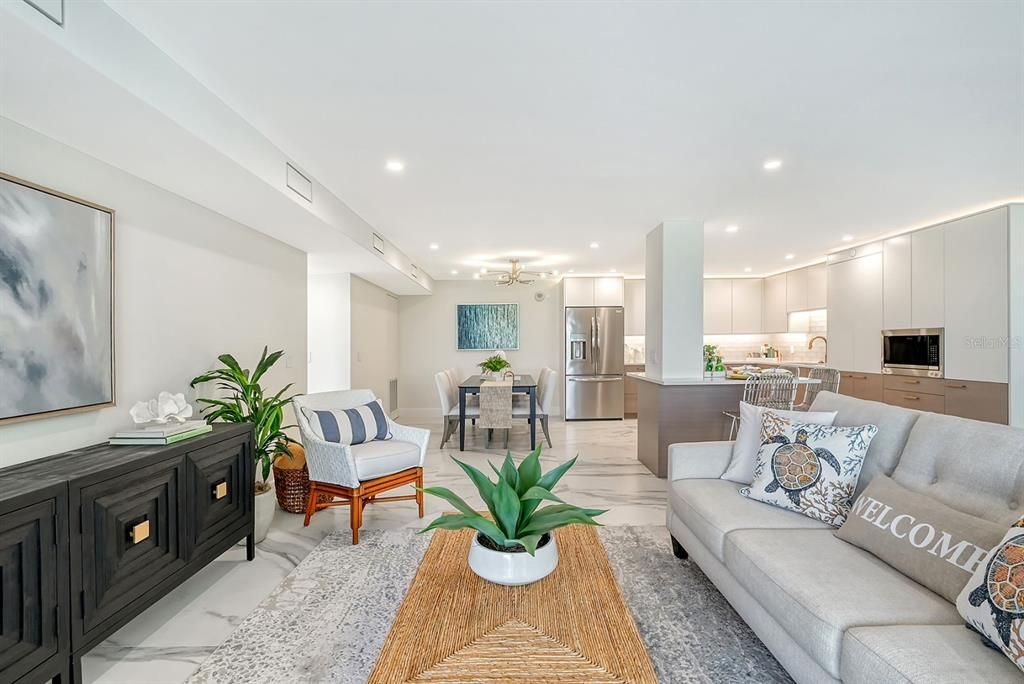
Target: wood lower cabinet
[[987, 401], [630, 398], [866, 386], [91, 538], [935, 403]]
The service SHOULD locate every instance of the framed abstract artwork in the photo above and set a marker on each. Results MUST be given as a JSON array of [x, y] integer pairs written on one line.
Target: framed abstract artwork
[[56, 303], [487, 326]]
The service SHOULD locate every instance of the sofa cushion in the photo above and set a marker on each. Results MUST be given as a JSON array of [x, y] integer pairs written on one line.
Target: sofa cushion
[[923, 654], [377, 458], [894, 425], [818, 586], [974, 467], [714, 508]]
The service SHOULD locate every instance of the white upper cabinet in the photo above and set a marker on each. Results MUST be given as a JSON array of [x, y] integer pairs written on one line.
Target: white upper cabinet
[[608, 292], [747, 308], [717, 306], [976, 286], [796, 290], [897, 268], [776, 317], [578, 291], [636, 303], [855, 314], [927, 274], [817, 286]]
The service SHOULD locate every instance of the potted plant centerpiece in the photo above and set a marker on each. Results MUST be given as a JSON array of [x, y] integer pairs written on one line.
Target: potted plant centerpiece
[[246, 402], [515, 545], [493, 365]]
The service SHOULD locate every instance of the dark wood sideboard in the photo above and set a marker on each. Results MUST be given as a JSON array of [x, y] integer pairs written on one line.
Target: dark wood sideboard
[[92, 537]]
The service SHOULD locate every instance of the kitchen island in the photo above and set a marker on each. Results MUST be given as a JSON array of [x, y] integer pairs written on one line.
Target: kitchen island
[[671, 410]]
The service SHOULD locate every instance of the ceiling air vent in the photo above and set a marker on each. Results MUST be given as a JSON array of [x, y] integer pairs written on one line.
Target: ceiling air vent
[[298, 182]]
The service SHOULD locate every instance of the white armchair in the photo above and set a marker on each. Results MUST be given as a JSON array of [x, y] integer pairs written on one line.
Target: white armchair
[[357, 474]]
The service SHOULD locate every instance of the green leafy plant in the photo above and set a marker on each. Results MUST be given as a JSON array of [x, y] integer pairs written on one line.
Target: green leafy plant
[[517, 522], [246, 402], [494, 364]]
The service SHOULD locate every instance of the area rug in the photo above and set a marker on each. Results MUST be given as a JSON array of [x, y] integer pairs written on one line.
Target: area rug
[[326, 622]]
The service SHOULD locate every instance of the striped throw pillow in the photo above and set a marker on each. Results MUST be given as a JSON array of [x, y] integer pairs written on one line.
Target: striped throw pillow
[[349, 426]]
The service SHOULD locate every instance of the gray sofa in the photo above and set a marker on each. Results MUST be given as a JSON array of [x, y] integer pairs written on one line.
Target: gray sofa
[[828, 610]]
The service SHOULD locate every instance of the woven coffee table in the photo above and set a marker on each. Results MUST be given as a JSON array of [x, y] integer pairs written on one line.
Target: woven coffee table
[[572, 626]]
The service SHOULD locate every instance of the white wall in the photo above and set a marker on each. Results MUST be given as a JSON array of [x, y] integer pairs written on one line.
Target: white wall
[[329, 325], [189, 285], [374, 338], [428, 345]]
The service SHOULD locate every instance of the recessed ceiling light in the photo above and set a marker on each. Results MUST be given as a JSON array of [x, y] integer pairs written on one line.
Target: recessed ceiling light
[[747, 269], [477, 276], [434, 245], [731, 228], [543, 275], [555, 272], [483, 270], [572, 270], [847, 238], [395, 165], [772, 164], [790, 257], [594, 245], [454, 272], [611, 270]]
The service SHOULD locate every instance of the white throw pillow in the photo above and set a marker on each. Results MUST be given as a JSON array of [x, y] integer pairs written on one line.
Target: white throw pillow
[[812, 470], [993, 600], [748, 438]]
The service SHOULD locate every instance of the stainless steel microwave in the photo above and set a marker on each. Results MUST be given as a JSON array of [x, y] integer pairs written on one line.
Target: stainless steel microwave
[[914, 351]]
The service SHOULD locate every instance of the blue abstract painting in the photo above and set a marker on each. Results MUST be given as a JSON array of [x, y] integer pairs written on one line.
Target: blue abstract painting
[[56, 303], [488, 326]]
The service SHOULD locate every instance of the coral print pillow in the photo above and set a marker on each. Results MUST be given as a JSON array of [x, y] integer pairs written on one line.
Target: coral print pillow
[[810, 469], [993, 600]]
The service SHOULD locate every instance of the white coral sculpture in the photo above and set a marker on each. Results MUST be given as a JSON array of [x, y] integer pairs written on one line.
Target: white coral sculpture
[[166, 408]]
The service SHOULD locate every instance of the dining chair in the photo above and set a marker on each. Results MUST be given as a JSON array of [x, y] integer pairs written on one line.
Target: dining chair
[[545, 397], [829, 382], [767, 390], [496, 407], [471, 399], [448, 394], [357, 473]]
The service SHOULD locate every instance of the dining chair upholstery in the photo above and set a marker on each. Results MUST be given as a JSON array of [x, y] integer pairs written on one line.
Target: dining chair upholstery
[[449, 398], [334, 469], [546, 387]]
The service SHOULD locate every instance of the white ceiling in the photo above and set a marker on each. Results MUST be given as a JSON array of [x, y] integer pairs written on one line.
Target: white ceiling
[[537, 128]]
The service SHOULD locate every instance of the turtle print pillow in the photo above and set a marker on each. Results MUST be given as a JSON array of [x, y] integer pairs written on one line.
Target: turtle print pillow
[[993, 600], [810, 469]]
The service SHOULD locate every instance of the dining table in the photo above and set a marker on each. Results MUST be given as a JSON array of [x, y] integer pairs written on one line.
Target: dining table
[[521, 384]]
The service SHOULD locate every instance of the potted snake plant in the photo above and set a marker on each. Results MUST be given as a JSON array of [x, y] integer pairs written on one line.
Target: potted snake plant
[[515, 544], [244, 400]]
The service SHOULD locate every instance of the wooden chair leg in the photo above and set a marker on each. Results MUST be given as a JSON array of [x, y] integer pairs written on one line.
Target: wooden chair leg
[[310, 503], [356, 515], [419, 491], [544, 424], [444, 431]]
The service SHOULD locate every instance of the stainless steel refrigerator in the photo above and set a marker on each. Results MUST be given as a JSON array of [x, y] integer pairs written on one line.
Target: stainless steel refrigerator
[[594, 377]]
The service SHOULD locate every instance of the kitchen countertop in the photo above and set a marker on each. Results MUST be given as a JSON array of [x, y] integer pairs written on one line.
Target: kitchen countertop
[[673, 382]]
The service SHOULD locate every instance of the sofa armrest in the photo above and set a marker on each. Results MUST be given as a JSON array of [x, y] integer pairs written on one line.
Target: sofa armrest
[[697, 460], [418, 436]]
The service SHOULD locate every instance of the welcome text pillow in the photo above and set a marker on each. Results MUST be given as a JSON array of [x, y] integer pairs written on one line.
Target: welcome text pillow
[[811, 469], [924, 539]]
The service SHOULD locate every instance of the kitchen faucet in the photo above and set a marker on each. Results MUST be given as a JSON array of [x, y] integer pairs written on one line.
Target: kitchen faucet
[[810, 344]]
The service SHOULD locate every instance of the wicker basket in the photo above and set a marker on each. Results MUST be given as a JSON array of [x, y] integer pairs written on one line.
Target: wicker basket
[[291, 480]]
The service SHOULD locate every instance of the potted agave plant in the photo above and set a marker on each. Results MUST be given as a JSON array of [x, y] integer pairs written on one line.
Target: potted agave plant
[[515, 545], [245, 401]]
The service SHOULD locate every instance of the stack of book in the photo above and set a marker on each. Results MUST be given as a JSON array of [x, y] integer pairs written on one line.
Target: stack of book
[[160, 433]]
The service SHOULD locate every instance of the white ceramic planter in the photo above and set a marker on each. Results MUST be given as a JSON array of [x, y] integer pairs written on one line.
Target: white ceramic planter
[[513, 569], [266, 506]]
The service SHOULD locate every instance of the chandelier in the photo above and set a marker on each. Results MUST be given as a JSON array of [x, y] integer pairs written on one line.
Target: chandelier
[[515, 275]]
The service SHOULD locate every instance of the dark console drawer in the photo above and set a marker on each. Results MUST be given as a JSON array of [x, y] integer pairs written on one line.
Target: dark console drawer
[[220, 492], [28, 588], [132, 539]]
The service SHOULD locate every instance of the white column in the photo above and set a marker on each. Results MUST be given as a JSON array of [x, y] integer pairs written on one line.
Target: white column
[[675, 300], [1016, 327]]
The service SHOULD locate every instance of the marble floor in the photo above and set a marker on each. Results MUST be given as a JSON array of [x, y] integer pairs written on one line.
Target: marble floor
[[169, 641]]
